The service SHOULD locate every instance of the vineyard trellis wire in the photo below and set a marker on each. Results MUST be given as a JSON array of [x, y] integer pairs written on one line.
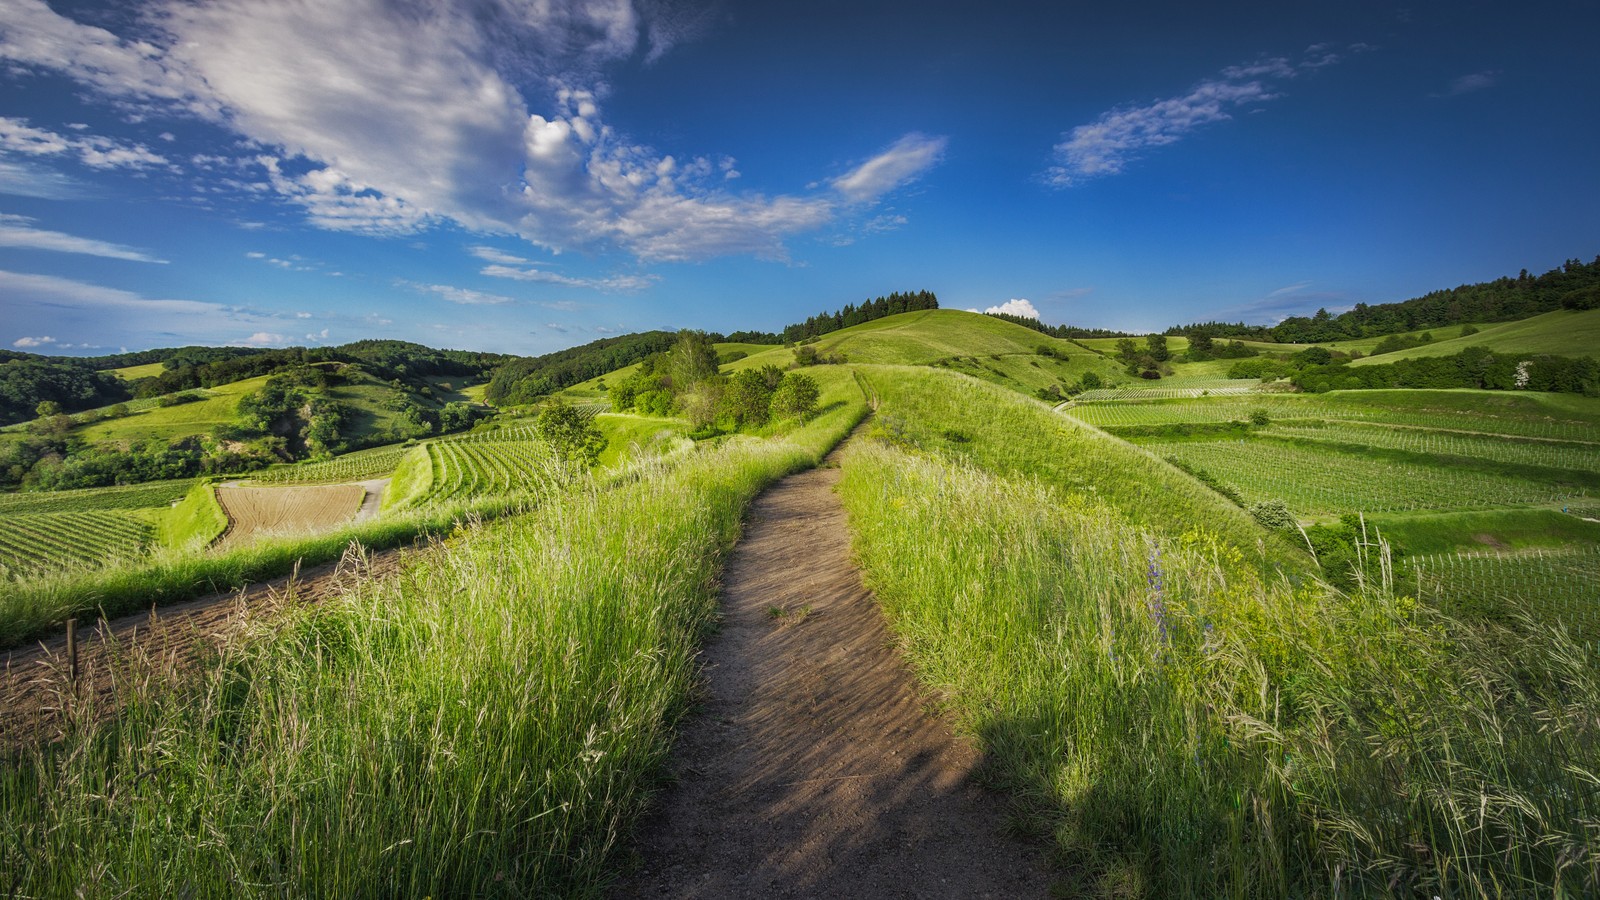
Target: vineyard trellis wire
[[1554, 585], [34, 541], [1323, 482]]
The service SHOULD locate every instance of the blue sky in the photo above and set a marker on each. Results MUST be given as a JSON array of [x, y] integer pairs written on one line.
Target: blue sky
[[522, 176]]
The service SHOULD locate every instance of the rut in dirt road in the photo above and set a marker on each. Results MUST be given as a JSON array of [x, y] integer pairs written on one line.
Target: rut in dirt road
[[814, 769]]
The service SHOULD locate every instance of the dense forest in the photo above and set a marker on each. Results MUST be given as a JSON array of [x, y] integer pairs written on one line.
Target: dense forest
[[527, 379], [1575, 285], [75, 384]]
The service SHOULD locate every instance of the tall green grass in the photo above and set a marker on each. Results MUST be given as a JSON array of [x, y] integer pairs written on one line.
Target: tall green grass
[[1014, 435], [194, 521], [1181, 724], [485, 724]]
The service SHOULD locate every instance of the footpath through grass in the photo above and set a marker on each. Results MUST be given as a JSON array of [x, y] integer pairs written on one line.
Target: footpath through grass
[[486, 724], [1180, 722]]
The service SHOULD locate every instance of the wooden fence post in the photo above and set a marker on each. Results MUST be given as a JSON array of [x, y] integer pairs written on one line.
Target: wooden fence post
[[72, 649]]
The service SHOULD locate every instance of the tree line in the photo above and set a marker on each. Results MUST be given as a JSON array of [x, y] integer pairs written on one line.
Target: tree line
[[1574, 285]]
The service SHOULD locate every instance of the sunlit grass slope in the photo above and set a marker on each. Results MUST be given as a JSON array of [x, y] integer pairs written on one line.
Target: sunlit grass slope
[[1179, 722], [1020, 437], [1559, 333], [149, 370], [982, 346], [486, 724]]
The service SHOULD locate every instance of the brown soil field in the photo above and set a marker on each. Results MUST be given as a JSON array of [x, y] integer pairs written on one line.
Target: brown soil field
[[258, 512]]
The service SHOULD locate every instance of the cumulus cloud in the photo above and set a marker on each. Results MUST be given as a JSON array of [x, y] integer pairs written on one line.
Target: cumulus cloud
[[265, 339], [18, 231], [1120, 136], [904, 161], [1015, 307], [387, 118], [30, 342]]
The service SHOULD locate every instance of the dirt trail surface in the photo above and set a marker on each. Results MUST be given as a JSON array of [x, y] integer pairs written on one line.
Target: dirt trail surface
[[257, 511], [372, 503], [813, 768], [33, 679]]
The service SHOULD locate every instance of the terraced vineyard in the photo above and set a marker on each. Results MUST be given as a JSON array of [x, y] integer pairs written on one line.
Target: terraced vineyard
[[1551, 454], [468, 467], [1535, 416], [1561, 586], [150, 495], [358, 466], [41, 540], [1214, 387], [1329, 482]]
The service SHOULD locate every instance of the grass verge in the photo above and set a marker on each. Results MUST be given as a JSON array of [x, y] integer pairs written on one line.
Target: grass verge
[[1179, 723], [485, 724]]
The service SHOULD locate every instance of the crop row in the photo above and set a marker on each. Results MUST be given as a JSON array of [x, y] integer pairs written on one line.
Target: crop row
[[40, 540], [1302, 406], [150, 495], [1323, 482], [1215, 387], [462, 469], [1553, 454], [1562, 586], [357, 466]]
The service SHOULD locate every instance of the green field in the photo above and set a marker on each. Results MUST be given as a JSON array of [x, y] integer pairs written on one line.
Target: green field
[[31, 542], [359, 466], [1560, 586], [1559, 333], [149, 370], [218, 405]]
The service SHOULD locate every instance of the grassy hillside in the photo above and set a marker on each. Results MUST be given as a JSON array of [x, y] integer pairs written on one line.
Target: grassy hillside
[[1178, 725], [1559, 333], [148, 370], [982, 346], [169, 423]]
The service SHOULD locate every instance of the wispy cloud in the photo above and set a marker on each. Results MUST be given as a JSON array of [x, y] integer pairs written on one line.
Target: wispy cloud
[[614, 283], [903, 161], [498, 130], [1119, 137], [1467, 84], [463, 296], [18, 231], [17, 137]]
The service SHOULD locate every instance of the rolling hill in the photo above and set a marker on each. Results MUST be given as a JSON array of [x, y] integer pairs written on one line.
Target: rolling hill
[[1560, 333]]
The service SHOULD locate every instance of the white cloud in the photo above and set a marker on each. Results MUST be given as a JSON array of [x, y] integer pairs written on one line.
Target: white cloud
[[904, 161], [386, 118], [1015, 307], [490, 254], [29, 342], [464, 296], [24, 179], [20, 138], [265, 339], [1117, 138], [18, 231], [614, 283], [62, 292]]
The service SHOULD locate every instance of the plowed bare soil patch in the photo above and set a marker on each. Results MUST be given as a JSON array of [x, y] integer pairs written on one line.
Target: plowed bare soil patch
[[257, 512], [814, 767]]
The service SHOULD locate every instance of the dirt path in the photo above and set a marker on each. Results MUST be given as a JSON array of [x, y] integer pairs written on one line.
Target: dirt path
[[372, 503], [33, 679], [813, 768]]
